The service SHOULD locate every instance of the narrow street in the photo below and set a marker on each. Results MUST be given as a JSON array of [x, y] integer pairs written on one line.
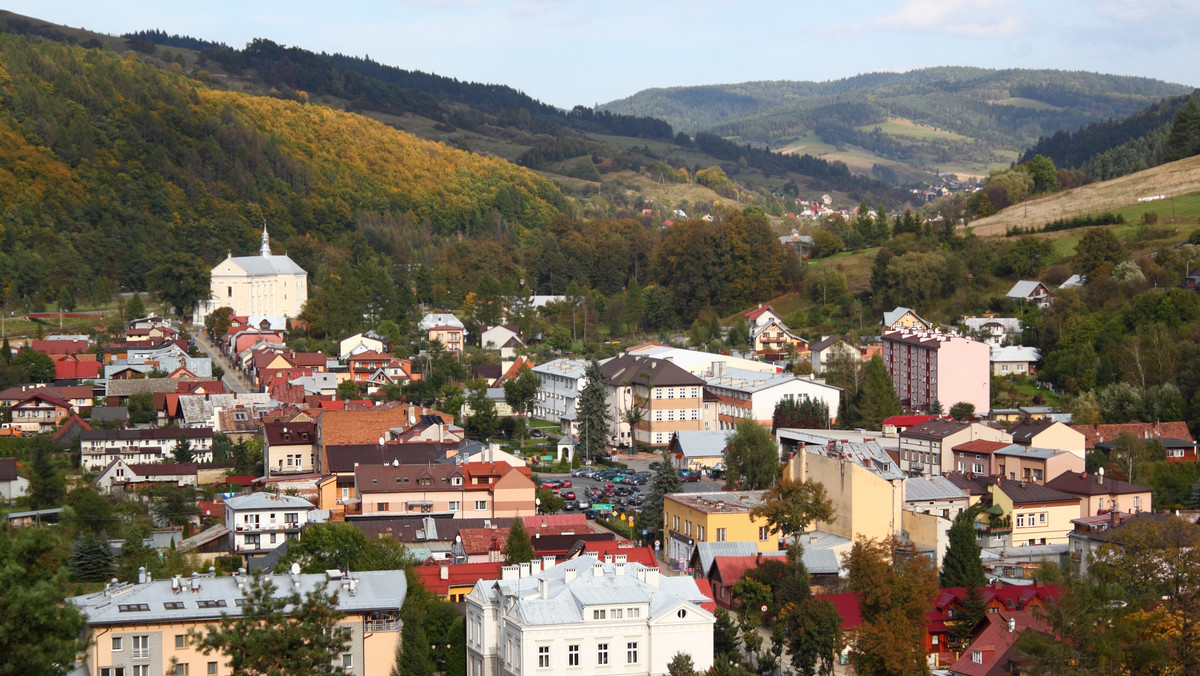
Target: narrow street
[[233, 379]]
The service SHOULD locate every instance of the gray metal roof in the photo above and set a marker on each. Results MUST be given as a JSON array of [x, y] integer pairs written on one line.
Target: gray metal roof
[[268, 265], [745, 380], [1022, 289], [570, 368], [928, 489], [264, 500], [702, 443], [565, 601], [439, 319], [1015, 353], [1027, 451], [122, 603], [707, 551], [821, 561]]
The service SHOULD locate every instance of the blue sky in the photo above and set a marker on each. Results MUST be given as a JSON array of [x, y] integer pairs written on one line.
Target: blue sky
[[569, 52]]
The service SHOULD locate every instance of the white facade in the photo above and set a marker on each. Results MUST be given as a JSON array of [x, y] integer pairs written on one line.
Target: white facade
[[357, 344], [563, 381], [100, 447], [585, 617], [752, 394], [260, 522], [257, 285]]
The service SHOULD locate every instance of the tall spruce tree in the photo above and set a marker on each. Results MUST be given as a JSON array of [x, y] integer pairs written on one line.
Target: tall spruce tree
[[519, 547], [665, 481], [962, 565], [91, 560], [802, 412], [594, 417], [877, 399]]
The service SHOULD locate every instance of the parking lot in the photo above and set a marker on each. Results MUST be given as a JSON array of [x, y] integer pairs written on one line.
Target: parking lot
[[624, 496]]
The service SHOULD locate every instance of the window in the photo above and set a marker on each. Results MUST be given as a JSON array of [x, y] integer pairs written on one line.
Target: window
[[173, 605], [543, 656], [212, 667], [180, 640], [597, 614], [141, 670], [633, 613], [617, 613], [573, 655], [1020, 521], [116, 644], [383, 507], [455, 505], [977, 468], [601, 653], [1137, 501], [1042, 518], [720, 535], [181, 670], [347, 661], [481, 505], [762, 532], [141, 648], [631, 652], [699, 533], [977, 656]]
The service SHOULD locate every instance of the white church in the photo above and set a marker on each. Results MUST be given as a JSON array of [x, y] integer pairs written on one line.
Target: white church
[[263, 285]]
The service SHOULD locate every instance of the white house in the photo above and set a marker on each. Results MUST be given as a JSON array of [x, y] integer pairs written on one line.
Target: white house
[[585, 616], [358, 343], [827, 348], [1014, 360], [994, 331], [506, 338], [260, 522], [121, 474], [1030, 292], [12, 485], [752, 394], [100, 447], [265, 284], [563, 381]]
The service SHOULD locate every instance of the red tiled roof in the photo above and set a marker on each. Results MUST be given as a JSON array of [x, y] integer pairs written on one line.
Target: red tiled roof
[[980, 446], [633, 554], [908, 420], [457, 575], [753, 314], [211, 508], [576, 519], [732, 568], [74, 369], [706, 588]]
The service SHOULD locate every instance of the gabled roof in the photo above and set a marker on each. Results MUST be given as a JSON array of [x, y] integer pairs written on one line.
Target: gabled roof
[[43, 397], [935, 430], [756, 312], [1025, 289], [980, 446], [894, 316], [440, 320], [1015, 353], [647, 372], [1022, 492], [1082, 483], [1024, 431], [1094, 434]]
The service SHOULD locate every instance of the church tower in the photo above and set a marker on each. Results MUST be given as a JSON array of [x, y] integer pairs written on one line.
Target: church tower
[[266, 242]]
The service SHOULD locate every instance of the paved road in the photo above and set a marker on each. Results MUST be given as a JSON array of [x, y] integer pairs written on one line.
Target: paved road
[[233, 379]]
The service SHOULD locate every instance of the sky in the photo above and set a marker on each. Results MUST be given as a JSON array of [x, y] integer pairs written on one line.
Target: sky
[[587, 52]]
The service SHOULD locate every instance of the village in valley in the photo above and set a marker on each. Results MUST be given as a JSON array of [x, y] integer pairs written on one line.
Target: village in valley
[[573, 512]]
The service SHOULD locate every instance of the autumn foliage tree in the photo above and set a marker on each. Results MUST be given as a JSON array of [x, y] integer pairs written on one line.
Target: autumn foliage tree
[[896, 587]]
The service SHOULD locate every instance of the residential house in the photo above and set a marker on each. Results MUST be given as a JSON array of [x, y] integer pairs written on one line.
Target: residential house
[[260, 522], [1015, 360], [133, 476], [506, 338], [892, 426], [928, 449], [1099, 495], [904, 318], [1038, 515], [446, 329], [691, 518], [863, 482], [12, 484], [771, 338], [698, 450], [995, 331], [974, 457], [100, 447], [668, 399], [588, 616], [1030, 292], [745, 394], [828, 348], [1034, 464], [360, 342], [289, 448], [1000, 600], [77, 367], [69, 430], [801, 245], [935, 495], [1046, 433], [472, 490], [1091, 533], [993, 645], [144, 627], [1174, 435], [374, 370], [563, 381], [929, 366], [727, 571], [80, 397], [453, 581], [42, 408]]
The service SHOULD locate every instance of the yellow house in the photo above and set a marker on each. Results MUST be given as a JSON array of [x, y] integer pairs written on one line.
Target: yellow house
[[721, 516], [1046, 433], [904, 318], [1038, 515], [144, 628], [862, 481]]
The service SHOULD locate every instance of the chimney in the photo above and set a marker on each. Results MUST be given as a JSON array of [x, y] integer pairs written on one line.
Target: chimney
[[549, 562], [997, 584], [141, 575], [1012, 624], [543, 588], [510, 572], [758, 560], [569, 574], [525, 569], [652, 577], [597, 569]]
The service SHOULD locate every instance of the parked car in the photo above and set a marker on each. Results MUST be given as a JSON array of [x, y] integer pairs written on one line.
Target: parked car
[[582, 505], [552, 484], [565, 483], [690, 477], [569, 495], [568, 506], [581, 472], [655, 465], [536, 433]]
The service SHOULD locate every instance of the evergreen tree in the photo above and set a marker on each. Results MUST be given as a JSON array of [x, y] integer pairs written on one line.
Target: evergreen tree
[[665, 481], [962, 566], [483, 421], [877, 399], [935, 408], [47, 484], [681, 665], [414, 658], [802, 412], [91, 560], [519, 547], [725, 635], [972, 611], [279, 633], [6, 353], [594, 417], [1183, 139], [40, 633], [135, 308], [182, 452]]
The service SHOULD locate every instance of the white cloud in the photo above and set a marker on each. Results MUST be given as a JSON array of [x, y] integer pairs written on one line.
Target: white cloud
[[962, 18]]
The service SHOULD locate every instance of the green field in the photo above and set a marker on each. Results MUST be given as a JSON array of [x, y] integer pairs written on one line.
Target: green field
[[1018, 102], [906, 128]]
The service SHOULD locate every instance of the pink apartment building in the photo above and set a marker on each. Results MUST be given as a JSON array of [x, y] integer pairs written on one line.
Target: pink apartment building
[[930, 365]]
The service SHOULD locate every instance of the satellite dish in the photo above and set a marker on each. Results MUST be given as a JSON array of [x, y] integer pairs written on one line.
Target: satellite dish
[[395, 462], [380, 441], [295, 569], [1100, 471]]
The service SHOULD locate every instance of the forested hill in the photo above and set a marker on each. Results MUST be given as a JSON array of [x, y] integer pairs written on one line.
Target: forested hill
[[108, 163], [1114, 147], [967, 119]]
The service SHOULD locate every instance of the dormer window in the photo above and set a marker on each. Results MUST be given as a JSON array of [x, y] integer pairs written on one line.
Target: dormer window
[[456, 481]]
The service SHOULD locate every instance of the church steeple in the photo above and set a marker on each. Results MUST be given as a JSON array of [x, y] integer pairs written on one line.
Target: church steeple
[[266, 241]]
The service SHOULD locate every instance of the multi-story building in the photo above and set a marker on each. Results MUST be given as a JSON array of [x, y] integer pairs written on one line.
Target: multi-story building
[[446, 329], [668, 398], [928, 449], [563, 381], [1047, 433], [1037, 465], [745, 394], [689, 518], [265, 284], [476, 490], [1036, 515], [929, 366], [289, 447], [260, 522], [41, 408], [586, 617], [146, 629], [1099, 494], [995, 331], [100, 447]]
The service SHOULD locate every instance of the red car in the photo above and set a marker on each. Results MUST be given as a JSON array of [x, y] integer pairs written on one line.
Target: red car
[[551, 484], [565, 483], [569, 495]]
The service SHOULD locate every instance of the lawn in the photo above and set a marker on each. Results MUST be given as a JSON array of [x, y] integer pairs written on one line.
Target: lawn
[[1019, 102], [898, 126]]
